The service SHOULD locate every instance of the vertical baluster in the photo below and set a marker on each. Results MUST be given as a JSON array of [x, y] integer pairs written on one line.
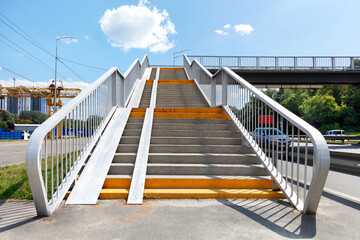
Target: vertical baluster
[[282, 146], [46, 166], [57, 158], [306, 166], [61, 153], [292, 159], [287, 154], [52, 165], [297, 166], [66, 143]]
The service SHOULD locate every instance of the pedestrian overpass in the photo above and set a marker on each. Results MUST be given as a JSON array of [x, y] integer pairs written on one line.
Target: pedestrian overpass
[[175, 133], [288, 72]]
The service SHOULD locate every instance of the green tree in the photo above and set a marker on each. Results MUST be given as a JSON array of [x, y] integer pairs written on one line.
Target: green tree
[[320, 109], [3, 124], [9, 119], [34, 116]]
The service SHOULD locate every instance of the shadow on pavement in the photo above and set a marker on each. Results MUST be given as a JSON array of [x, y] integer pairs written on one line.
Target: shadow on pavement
[[276, 215], [342, 200], [16, 213]]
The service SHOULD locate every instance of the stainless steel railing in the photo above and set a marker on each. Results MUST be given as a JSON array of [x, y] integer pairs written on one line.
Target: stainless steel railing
[[59, 148], [276, 63], [273, 132]]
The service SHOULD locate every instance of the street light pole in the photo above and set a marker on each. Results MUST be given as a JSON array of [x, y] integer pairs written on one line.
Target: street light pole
[[178, 53], [56, 58]]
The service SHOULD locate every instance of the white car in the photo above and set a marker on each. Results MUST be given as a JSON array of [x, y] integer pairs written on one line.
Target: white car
[[335, 133]]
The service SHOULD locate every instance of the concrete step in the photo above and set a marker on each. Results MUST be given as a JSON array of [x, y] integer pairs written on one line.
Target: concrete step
[[192, 120], [192, 169], [175, 148], [191, 126], [184, 140], [189, 133], [204, 158], [196, 141], [132, 132], [135, 120], [133, 126], [194, 193]]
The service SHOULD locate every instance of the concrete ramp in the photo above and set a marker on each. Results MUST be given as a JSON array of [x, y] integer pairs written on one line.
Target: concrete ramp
[[87, 188]]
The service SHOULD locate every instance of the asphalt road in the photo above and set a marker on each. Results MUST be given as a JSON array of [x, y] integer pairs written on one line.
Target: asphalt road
[[12, 153]]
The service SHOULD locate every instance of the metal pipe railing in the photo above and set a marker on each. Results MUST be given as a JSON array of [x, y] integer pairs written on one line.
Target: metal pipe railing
[[279, 63], [274, 134], [59, 147]]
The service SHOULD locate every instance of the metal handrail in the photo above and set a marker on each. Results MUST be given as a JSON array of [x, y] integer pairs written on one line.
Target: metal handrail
[[280, 63], [264, 124], [59, 147]]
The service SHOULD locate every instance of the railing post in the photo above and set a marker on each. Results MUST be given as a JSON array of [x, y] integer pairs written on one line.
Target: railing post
[[239, 62], [224, 88], [122, 92], [257, 62], [352, 63], [295, 62], [213, 92], [333, 63], [113, 88], [314, 62], [276, 63]]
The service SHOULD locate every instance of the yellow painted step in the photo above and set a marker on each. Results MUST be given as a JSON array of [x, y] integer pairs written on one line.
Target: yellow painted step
[[190, 110], [149, 81], [191, 183], [176, 82], [191, 115], [137, 112], [194, 193], [171, 69]]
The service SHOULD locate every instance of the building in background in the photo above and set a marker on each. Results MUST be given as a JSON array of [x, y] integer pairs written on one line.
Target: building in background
[[16, 105]]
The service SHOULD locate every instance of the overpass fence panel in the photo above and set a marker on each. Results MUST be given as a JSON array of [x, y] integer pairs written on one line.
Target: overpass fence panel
[[273, 132], [59, 148], [279, 63]]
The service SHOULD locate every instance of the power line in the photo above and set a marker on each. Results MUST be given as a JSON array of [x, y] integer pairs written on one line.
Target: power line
[[51, 69], [50, 34], [26, 56], [72, 70], [17, 74], [82, 64], [32, 41]]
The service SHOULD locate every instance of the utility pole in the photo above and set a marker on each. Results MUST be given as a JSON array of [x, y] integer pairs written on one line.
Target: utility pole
[[56, 58]]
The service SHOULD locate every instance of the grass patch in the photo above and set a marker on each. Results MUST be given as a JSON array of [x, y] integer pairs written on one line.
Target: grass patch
[[10, 140], [14, 182]]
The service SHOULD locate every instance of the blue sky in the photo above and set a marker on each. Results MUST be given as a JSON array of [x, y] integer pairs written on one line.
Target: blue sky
[[301, 28]]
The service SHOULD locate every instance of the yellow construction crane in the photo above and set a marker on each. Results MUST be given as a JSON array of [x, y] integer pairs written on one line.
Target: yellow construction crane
[[37, 92]]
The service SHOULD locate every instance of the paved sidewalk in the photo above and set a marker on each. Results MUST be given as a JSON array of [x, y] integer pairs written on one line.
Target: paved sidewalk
[[337, 218]]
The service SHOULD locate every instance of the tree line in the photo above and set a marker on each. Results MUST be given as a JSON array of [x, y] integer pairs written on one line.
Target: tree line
[[8, 120], [332, 107]]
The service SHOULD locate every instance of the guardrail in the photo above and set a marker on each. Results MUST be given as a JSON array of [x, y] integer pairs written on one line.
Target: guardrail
[[271, 130], [59, 147], [276, 63]]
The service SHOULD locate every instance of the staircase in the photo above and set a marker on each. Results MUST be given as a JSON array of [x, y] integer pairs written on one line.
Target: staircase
[[195, 151]]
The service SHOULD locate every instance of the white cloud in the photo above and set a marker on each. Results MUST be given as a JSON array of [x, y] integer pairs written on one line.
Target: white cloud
[[86, 37], [130, 26], [243, 29], [227, 26], [26, 83], [69, 41], [220, 32], [0, 68]]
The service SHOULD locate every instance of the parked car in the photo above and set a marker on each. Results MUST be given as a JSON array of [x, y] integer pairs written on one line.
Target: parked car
[[271, 136], [335, 133]]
